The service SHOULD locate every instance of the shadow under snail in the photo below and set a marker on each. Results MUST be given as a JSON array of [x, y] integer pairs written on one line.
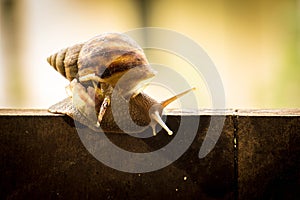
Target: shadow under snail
[[109, 68]]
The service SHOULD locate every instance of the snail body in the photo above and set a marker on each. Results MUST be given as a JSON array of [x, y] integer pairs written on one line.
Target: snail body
[[107, 75]]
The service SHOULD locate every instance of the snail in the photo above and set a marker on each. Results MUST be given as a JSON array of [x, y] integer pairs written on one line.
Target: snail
[[109, 69]]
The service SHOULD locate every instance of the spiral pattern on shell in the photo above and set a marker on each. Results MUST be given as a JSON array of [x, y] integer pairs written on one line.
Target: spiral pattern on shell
[[105, 55], [65, 61]]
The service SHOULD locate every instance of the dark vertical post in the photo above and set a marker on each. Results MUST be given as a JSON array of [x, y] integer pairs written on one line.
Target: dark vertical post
[[11, 51], [145, 9]]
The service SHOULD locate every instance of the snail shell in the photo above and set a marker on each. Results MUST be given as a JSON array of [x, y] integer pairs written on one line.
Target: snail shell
[[108, 56], [95, 69], [65, 61]]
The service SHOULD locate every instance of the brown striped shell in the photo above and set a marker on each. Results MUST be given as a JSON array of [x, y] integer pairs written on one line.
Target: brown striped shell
[[108, 56], [96, 68], [65, 61]]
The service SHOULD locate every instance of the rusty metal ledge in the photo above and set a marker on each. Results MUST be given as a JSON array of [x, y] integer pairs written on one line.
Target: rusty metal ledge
[[256, 157]]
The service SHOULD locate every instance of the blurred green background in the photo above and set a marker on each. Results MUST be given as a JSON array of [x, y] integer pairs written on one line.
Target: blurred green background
[[255, 44]]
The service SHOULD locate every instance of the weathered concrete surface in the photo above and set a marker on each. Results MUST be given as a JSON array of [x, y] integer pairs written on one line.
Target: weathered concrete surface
[[42, 157], [269, 154]]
